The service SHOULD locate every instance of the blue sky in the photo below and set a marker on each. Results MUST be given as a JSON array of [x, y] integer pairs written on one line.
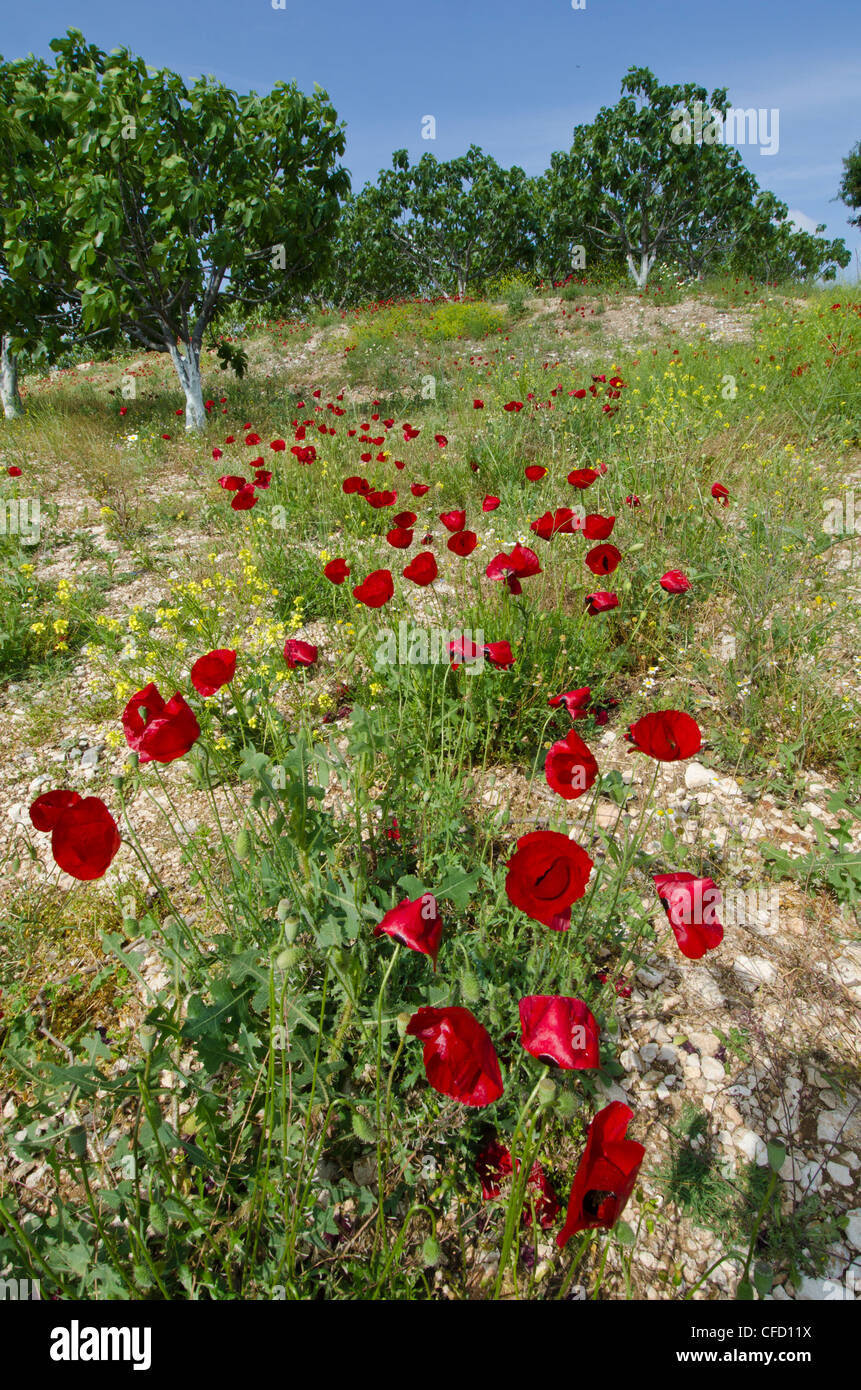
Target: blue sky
[[514, 78]]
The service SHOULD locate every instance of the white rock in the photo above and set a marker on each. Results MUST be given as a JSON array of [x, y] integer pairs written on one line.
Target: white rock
[[712, 1069], [754, 971], [697, 776], [705, 988], [853, 1230], [751, 1146], [649, 1052], [840, 1174]]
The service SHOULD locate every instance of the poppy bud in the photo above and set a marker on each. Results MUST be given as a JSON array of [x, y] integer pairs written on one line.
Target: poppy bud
[[566, 1105], [147, 1038], [470, 988], [158, 1218], [282, 911], [290, 957], [431, 1252], [291, 929], [546, 1092], [242, 844], [402, 1021]]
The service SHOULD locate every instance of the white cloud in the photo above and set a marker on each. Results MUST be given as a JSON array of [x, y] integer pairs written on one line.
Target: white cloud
[[801, 221]]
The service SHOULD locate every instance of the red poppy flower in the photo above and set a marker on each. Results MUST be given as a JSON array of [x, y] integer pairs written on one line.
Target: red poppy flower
[[399, 537], [84, 834], [606, 1174], [562, 521], [423, 569], [209, 673], [232, 482], [376, 590], [47, 808], [381, 499], [337, 570], [415, 924], [675, 582], [298, 653], [490, 503], [603, 559], [633, 501], [459, 1057], [721, 493], [279, 445], [534, 472], [515, 406], [217, 453], [580, 395], [441, 440], [668, 735], [558, 1029], [499, 654], [14, 471], [244, 499], [453, 521], [601, 602], [546, 874], [460, 651], [575, 701], [582, 477], [252, 439], [406, 519], [691, 906], [597, 527], [494, 1163], [570, 767], [163, 732], [419, 489], [229, 439], [463, 543], [124, 410], [262, 478], [356, 484], [478, 405]]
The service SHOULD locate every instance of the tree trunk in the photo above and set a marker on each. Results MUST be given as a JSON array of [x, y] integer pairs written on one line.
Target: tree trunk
[[647, 261], [188, 370], [9, 381]]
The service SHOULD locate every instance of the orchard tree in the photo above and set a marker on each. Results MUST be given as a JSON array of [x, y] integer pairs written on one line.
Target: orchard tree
[[182, 200], [643, 181], [365, 265], [455, 222], [39, 307], [850, 184]]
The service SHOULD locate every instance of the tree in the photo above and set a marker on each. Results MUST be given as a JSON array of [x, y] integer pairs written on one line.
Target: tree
[[365, 264], [39, 307], [644, 181], [455, 222], [850, 184], [181, 200]]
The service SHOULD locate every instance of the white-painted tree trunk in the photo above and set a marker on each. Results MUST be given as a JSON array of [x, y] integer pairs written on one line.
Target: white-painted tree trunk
[[9, 381], [640, 277], [187, 366]]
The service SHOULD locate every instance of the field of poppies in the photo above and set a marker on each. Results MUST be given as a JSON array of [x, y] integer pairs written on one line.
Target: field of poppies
[[377, 769]]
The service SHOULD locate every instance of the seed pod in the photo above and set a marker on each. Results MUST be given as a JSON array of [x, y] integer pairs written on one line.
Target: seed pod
[[242, 844], [158, 1218], [470, 987]]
